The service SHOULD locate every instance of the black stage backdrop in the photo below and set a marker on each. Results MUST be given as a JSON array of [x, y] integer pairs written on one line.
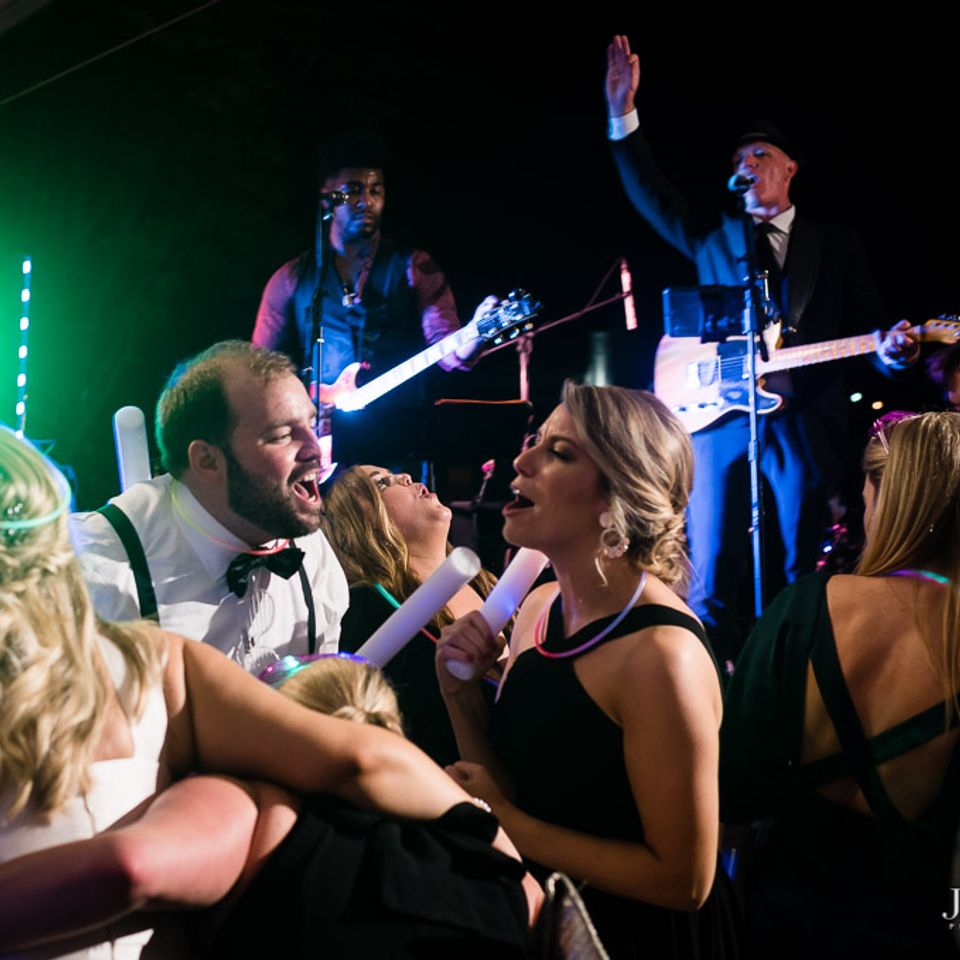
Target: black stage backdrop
[[158, 187]]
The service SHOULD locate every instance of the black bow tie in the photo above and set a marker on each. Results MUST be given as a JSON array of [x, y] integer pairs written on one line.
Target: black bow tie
[[284, 563]]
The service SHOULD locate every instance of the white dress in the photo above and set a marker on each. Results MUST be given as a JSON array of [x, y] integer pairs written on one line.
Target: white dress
[[117, 787]]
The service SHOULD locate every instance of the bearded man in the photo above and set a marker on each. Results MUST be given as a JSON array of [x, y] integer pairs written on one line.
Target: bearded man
[[225, 547]]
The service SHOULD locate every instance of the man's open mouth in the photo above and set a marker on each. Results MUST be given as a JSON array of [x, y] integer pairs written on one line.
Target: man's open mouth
[[307, 488]]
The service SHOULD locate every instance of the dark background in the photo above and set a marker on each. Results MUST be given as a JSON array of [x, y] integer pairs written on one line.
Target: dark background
[[157, 188]]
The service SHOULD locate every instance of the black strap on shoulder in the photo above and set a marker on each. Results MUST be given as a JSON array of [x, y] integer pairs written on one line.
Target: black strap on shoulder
[[311, 611], [656, 615], [138, 560]]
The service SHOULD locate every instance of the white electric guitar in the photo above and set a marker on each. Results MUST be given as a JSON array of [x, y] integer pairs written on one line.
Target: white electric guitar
[[701, 382], [506, 320]]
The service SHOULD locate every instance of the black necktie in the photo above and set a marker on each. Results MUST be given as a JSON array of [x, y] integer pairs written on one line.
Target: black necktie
[[284, 563], [767, 260]]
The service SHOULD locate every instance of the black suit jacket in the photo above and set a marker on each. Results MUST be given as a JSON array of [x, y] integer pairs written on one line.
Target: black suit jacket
[[829, 290]]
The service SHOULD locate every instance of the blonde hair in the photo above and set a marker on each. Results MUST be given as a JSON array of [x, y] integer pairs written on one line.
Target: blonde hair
[[646, 460], [368, 544], [916, 524], [53, 693], [346, 689]]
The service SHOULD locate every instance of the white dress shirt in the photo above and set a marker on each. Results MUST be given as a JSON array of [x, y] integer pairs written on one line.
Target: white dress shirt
[[779, 236], [188, 553]]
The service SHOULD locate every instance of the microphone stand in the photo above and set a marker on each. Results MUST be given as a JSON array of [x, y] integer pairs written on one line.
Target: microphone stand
[[313, 375], [523, 344], [752, 309]]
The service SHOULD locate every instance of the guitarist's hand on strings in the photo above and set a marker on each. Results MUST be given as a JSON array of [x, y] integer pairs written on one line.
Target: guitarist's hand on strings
[[900, 347], [471, 346]]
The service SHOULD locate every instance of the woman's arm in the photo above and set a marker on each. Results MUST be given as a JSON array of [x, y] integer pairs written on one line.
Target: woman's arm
[[187, 848], [469, 640], [667, 698], [223, 720]]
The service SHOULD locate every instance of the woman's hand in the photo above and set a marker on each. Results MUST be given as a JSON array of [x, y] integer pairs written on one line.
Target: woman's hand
[[477, 781], [468, 641]]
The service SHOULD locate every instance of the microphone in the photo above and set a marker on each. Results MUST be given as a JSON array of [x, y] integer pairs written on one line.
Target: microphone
[[626, 285], [333, 198], [741, 182]]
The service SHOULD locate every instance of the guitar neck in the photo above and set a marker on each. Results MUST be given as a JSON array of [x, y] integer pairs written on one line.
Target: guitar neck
[[409, 368], [805, 355]]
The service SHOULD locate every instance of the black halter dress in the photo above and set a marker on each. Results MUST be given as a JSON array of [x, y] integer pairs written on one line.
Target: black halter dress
[[566, 759]]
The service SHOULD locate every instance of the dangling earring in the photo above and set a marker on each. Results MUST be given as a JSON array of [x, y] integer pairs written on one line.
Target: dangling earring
[[613, 542]]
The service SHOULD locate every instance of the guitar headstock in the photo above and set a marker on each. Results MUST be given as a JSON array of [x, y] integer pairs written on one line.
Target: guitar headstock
[[944, 329], [509, 318]]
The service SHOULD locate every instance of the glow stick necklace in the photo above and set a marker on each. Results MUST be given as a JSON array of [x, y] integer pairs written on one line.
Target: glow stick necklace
[[540, 627]]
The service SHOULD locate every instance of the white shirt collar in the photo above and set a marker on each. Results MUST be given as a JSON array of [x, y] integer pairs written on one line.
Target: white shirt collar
[[783, 221]]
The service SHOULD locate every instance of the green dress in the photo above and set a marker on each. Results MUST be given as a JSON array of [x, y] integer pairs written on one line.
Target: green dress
[[826, 880]]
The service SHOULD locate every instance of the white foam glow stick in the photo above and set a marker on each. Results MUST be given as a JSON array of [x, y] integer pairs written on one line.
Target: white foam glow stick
[[420, 607], [504, 599], [133, 453]]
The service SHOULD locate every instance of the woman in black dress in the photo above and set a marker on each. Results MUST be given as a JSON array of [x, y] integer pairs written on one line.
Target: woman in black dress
[[601, 755], [390, 534]]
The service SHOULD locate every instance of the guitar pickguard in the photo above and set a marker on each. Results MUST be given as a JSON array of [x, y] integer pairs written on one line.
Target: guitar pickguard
[[701, 382]]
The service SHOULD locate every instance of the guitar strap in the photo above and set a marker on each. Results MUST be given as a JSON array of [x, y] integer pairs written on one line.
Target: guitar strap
[[146, 596]]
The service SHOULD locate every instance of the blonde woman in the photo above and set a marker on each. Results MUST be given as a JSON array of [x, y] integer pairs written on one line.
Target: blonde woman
[[355, 883], [94, 718], [841, 726], [390, 534], [339, 685], [601, 753]]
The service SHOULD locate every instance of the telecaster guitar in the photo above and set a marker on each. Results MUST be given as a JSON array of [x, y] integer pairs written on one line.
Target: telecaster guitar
[[701, 382]]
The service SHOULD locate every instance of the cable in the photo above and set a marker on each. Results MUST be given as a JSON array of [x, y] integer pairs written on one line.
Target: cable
[[106, 53]]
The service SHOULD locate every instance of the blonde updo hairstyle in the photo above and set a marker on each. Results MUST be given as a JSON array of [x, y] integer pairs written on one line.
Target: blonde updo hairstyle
[[53, 692], [916, 524], [346, 689], [646, 462]]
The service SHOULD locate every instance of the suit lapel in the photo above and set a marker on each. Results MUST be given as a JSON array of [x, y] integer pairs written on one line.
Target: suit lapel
[[802, 266]]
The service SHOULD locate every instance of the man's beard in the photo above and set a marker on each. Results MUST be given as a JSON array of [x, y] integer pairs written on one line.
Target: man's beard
[[268, 505], [354, 232]]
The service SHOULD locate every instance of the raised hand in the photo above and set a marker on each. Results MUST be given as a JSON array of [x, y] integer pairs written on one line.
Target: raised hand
[[623, 76]]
